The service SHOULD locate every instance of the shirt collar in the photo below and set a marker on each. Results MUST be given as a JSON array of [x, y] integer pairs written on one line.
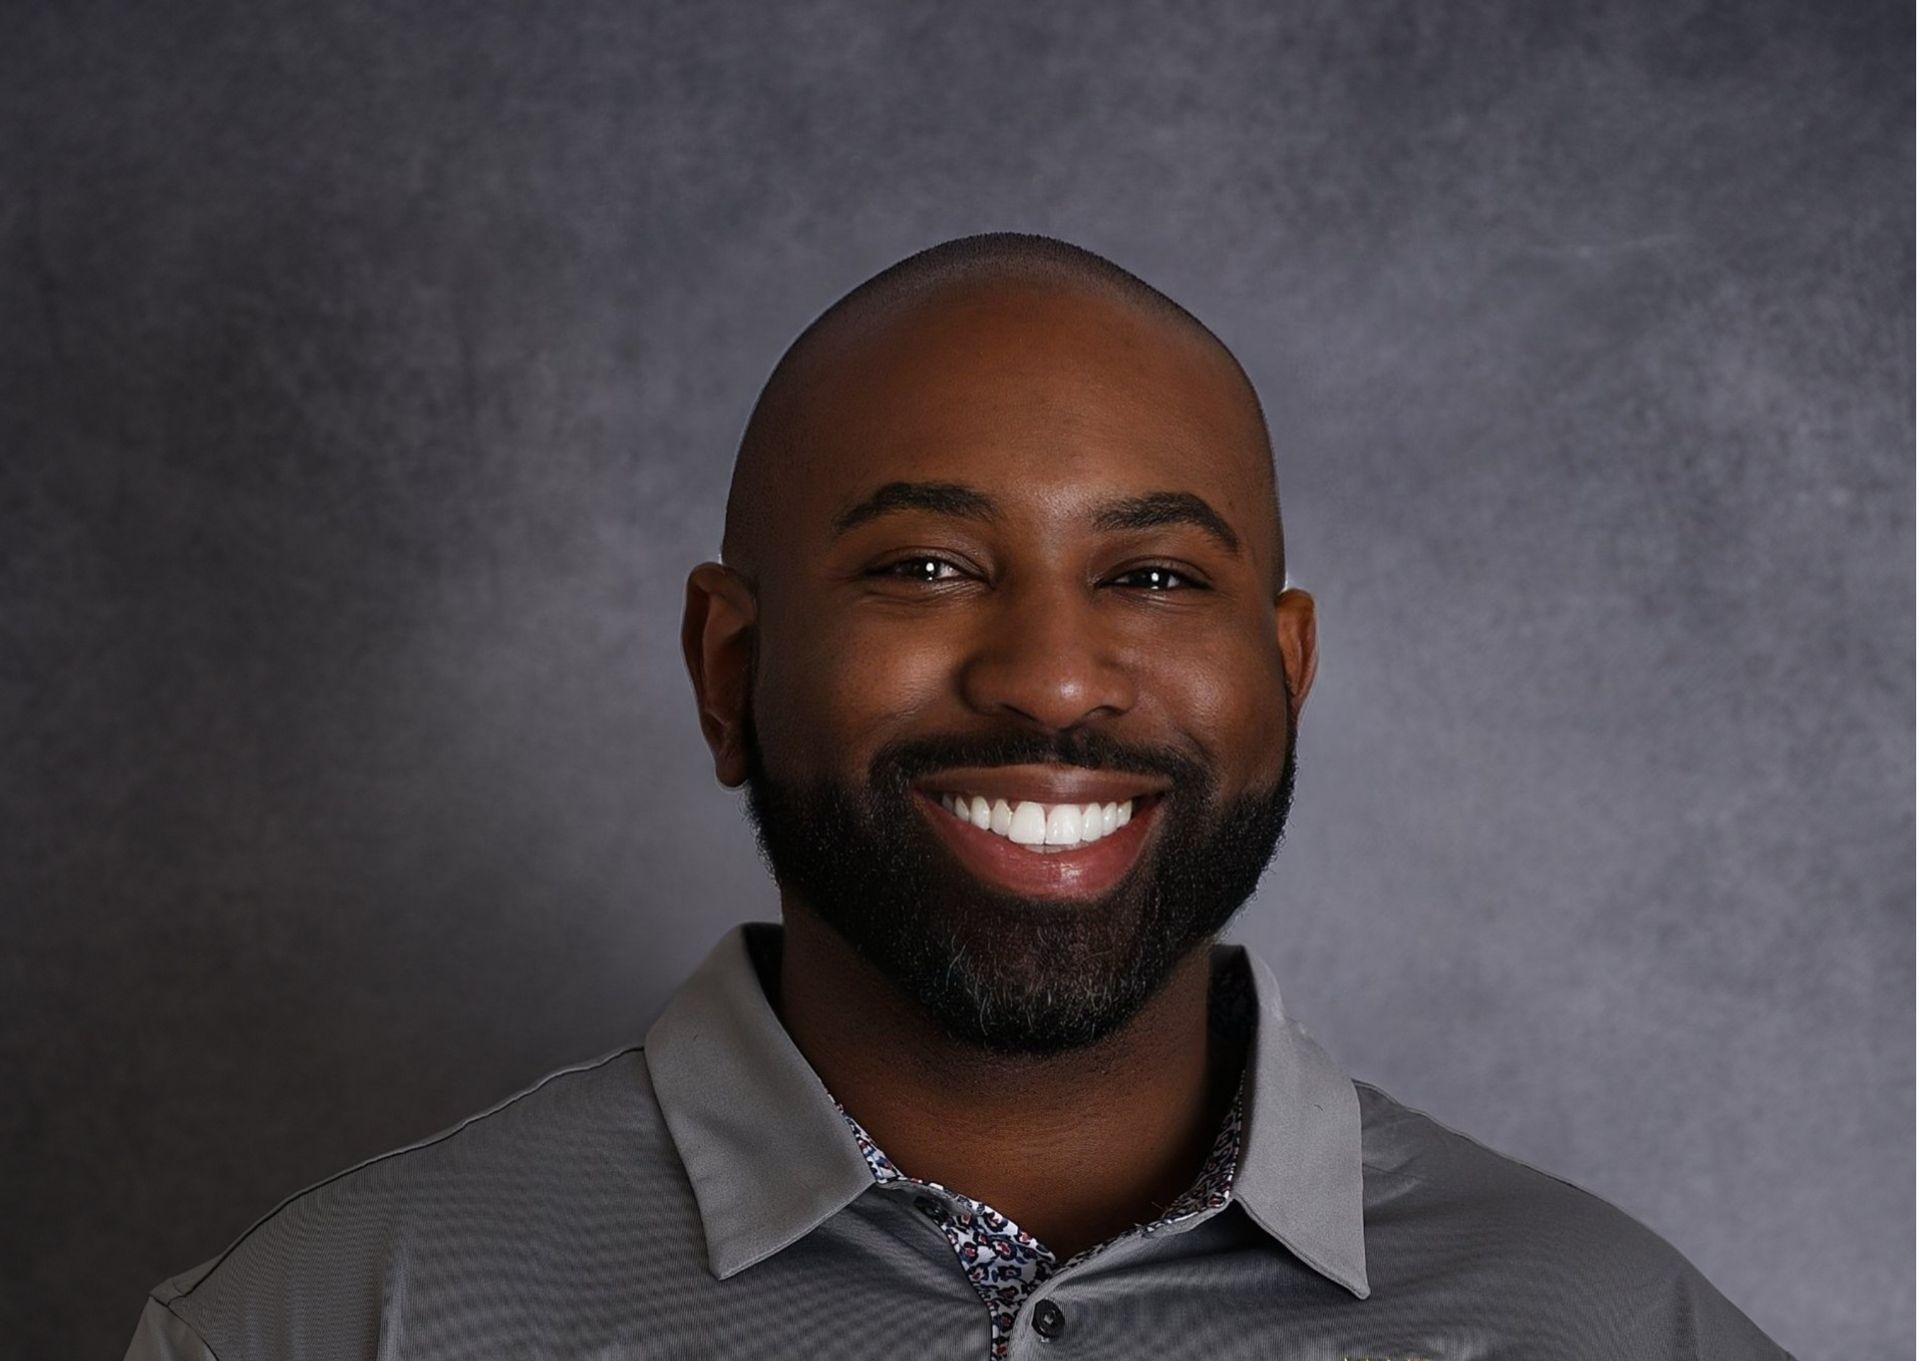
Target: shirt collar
[[769, 1157], [727, 1076], [1299, 1176]]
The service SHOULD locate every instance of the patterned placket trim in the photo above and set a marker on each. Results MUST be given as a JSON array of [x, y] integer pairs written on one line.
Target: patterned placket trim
[[1005, 1263]]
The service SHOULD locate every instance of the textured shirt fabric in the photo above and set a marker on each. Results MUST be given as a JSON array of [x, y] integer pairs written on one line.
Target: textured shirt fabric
[[701, 1195]]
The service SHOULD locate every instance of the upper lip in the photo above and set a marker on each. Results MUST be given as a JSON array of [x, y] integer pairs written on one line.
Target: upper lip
[[1043, 784]]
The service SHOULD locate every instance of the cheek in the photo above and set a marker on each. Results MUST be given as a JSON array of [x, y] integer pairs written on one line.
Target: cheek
[[1229, 696], [826, 699]]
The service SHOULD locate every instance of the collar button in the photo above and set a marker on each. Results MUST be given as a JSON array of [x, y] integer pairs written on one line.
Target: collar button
[[1049, 1320]]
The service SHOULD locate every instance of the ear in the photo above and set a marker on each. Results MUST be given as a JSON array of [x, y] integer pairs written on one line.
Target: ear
[[1293, 627], [716, 634]]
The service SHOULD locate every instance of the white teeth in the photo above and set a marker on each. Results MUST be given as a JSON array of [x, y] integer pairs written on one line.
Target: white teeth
[[1063, 825], [1029, 825]]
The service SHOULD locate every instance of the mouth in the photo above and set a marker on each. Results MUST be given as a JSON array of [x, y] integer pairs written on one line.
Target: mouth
[[1044, 834]]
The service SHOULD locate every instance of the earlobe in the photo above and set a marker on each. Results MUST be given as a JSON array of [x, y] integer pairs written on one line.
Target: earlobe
[[1296, 632], [716, 638]]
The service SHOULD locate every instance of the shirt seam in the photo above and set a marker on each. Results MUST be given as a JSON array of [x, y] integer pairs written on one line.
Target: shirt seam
[[192, 1331], [1490, 1150], [415, 1147]]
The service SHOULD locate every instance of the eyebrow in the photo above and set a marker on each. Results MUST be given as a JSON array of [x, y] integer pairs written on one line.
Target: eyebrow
[[1166, 508], [937, 498], [956, 499]]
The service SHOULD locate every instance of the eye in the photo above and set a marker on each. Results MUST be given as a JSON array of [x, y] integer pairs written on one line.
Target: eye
[[1158, 578], [921, 567]]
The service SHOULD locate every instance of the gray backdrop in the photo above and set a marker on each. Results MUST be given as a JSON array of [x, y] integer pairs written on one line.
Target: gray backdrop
[[371, 376]]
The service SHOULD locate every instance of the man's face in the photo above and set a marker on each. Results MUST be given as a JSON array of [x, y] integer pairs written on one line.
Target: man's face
[[1023, 577]]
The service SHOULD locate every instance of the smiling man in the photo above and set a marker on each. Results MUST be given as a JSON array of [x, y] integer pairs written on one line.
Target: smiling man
[[1002, 648]]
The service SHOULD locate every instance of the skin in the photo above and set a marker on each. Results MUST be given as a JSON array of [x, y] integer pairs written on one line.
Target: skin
[[1052, 399]]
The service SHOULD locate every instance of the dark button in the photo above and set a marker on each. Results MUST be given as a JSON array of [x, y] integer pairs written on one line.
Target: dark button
[[927, 1205], [1049, 1319]]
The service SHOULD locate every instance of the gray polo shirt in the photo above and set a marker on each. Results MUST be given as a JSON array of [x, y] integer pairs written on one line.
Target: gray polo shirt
[[702, 1196]]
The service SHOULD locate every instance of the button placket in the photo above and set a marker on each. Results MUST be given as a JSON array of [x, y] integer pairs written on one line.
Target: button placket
[[1005, 1263]]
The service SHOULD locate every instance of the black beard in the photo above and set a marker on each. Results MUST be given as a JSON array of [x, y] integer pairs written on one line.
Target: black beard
[[1008, 974]]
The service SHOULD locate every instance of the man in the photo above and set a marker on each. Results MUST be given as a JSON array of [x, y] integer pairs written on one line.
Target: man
[[1002, 647]]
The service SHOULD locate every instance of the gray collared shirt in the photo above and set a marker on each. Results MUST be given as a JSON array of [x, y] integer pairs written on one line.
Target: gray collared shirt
[[701, 1196]]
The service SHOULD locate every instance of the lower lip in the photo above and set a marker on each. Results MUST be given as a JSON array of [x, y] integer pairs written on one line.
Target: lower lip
[[1063, 872]]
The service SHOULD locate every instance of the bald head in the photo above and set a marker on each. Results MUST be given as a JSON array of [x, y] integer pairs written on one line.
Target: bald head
[[928, 300]]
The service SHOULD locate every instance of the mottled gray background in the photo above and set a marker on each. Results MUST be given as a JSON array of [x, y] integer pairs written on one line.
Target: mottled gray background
[[369, 377]]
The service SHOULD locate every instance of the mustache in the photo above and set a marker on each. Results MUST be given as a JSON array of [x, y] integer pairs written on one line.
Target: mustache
[[900, 762]]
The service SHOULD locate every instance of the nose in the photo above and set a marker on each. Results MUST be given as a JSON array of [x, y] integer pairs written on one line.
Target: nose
[[1044, 655]]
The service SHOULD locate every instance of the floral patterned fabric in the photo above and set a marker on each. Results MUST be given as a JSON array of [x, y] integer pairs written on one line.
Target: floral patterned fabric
[[1006, 1263]]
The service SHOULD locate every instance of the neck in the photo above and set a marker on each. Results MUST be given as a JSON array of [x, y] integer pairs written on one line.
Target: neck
[[1074, 1148]]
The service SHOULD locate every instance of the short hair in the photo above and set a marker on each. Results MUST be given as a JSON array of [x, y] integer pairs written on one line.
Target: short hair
[[986, 258]]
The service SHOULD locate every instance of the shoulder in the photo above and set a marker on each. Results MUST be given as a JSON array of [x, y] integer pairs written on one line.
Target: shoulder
[[1555, 1260], [458, 1213]]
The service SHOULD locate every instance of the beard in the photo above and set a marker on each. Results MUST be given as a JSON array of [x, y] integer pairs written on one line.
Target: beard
[[995, 970]]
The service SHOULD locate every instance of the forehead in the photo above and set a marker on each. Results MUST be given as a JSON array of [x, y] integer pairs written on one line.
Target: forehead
[[1050, 397]]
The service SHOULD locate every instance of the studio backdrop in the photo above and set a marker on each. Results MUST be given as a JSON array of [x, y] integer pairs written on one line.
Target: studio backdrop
[[369, 380]]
